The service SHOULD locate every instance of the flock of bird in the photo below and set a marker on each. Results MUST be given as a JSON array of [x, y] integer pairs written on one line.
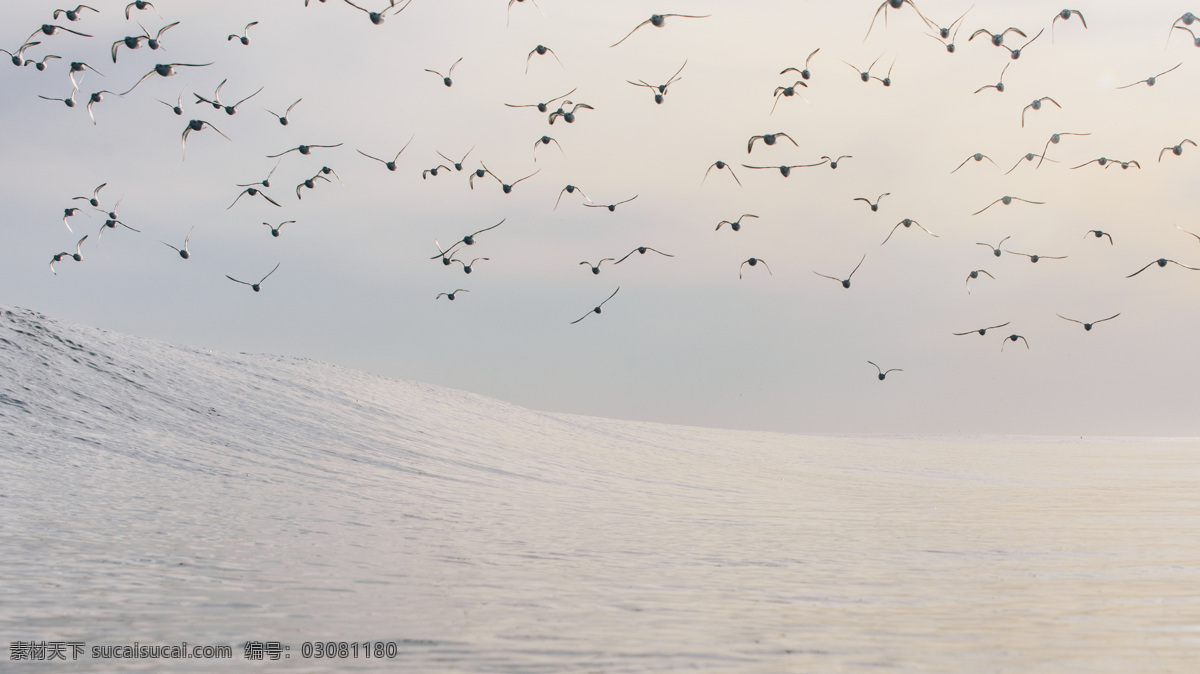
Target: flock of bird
[[34, 51]]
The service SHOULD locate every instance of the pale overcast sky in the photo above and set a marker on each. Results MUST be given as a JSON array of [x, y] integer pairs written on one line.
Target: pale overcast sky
[[684, 341]]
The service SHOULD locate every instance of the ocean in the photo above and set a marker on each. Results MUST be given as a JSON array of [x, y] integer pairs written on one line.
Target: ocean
[[161, 494]]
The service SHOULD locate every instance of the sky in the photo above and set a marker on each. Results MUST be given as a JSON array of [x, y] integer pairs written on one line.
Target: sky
[[685, 340]]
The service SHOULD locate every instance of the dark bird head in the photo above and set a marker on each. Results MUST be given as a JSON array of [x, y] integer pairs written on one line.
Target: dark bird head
[[1162, 261], [785, 170], [446, 81], [720, 164], [846, 283], [658, 98], [304, 149], [656, 19], [184, 254], [479, 173], [255, 287]]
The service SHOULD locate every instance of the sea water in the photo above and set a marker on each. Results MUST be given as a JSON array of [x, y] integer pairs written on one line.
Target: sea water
[[158, 494]]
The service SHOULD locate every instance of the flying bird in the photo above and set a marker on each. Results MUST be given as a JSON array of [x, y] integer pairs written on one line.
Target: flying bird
[[999, 86], [975, 274], [450, 295], [1006, 200], [1065, 15], [804, 74], [612, 207], [446, 78], [1054, 139], [718, 164], [884, 373], [754, 261], [94, 200], [893, 4], [165, 70], [597, 308], [540, 50], [906, 223], [1176, 149], [254, 286], [276, 229], [310, 184], [846, 281], [735, 225], [183, 252], [378, 17], [658, 21], [1013, 338], [254, 192], [1099, 234], [1087, 326], [302, 149], [198, 125], [74, 14], [982, 331], [569, 189], [978, 156], [660, 90], [283, 119], [391, 165], [139, 4], [568, 116], [1151, 80], [458, 165], [596, 267], [996, 248], [542, 107], [1035, 258], [1162, 262], [244, 38], [769, 139], [641, 250], [467, 265], [1037, 105], [874, 205]]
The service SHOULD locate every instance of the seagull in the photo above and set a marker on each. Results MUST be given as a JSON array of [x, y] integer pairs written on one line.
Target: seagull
[[1106, 162], [139, 4], [975, 274], [846, 281], [1054, 138], [735, 225], [18, 57], [69, 100], [542, 107], [183, 252], [310, 184], [254, 192], [74, 14], [610, 207], [893, 4], [445, 78], [754, 261], [804, 74], [718, 164], [882, 373], [155, 42], [94, 99], [1151, 80], [982, 331], [658, 20], [503, 185], [540, 50], [1037, 105], [545, 140], [1028, 156], [996, 248], [469, 239], [94, 200], [391, 165], [999, 86], [112, 223], [660, 90], [165, 70], [197, 125], [597, 309], [1065, 15], [433, 171], [450, 295], [283, 119], [568, 117], [1099, 234], [302, 149], [1013, 338], [907, 222], [57, 258], [641, 250], [1035, 258], [769, 139], [978, 156], [874, 206], [784, 170], [787, 92], [265, 182], [508, 19], [1176, 149], [997, 39], [243, 38], [1087, 326], [865, 75], [50, 29], [596, 267], [377, 17], [275, 229], [40, 65], [833, 163], [458, 165], [467, 266], [253, 286], [178, 107], [68, 212], [569, 189], [1162, 262], [1016, 53], [232, 109], [1006, 200], [78, 67]]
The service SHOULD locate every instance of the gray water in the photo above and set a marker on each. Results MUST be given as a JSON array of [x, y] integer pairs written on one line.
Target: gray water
[[159, 494]]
